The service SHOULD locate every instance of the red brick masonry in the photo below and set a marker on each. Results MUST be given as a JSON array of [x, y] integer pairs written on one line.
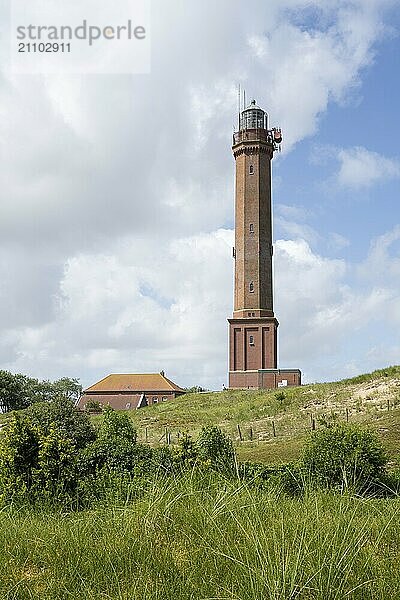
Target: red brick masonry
[[264, 379]]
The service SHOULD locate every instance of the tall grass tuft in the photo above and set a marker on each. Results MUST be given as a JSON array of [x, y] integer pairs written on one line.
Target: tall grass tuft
[[204, 537]]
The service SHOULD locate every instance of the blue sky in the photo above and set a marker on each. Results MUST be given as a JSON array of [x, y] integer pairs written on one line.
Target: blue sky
[[369, 118], [116, 220]]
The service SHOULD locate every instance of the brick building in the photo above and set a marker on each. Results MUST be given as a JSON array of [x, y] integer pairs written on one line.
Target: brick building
[[127, 392], [253, 330]]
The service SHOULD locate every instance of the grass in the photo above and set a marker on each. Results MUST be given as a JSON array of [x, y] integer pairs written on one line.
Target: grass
[[365, 398], [187, 539]]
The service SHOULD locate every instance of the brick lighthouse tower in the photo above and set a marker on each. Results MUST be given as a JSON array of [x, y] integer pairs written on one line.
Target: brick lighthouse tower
[[253, 330]]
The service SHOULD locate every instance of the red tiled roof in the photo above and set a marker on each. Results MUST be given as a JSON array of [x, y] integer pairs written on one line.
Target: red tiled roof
[[131, 383]]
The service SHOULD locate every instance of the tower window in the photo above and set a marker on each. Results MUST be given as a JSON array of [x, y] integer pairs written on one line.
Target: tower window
[[251, 287], [251, 228], [251, 170], [251, 340]]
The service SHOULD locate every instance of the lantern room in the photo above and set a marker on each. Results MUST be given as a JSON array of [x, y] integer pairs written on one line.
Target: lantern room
[[253, 117]]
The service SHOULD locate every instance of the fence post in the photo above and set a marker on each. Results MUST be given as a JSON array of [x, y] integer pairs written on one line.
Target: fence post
[[239, 432], [251, 433], [347, 415], [146, 435], [273, 429]]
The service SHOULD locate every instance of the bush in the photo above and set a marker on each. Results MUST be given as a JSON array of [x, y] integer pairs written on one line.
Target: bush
[[344, 456], [116, 449], [34, 462], [186, 453], [93, 406], [116, 427], [215, 449], [62, 415]]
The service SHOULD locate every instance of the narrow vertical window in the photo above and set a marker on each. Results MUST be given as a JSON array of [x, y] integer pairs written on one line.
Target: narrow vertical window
[[251, 228], [251, 287], [251, 170], [251, 340]]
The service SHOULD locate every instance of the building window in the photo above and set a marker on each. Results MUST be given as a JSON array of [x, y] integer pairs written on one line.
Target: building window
[[251, 340], [251, 170], [251, 228], [155, 399], [164, 398], [128, 405], [251, 287]]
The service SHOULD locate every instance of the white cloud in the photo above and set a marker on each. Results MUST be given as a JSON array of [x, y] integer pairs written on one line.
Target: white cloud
[[362, 168], [336, 241], [139, 307], [331, 312]]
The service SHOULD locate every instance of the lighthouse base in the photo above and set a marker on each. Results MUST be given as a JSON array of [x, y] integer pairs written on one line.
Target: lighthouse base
[[264, 379]]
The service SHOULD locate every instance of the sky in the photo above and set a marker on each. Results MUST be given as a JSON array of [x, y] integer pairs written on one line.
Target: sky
[[117, 196]]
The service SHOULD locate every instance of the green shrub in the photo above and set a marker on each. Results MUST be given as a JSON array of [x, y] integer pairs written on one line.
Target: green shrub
[[215, 448], [285, 478], [280, 397], [164, 461], [36, 463], [62, 415], [186, 452], [344, 456], [93, 406], [117, 426], [116, 449], [19, 449]]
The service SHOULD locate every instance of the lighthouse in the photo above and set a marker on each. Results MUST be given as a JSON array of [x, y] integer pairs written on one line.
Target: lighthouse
[[253, 329]]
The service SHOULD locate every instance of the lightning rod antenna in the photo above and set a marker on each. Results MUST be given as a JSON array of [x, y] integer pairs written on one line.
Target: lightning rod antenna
[[239, 111]]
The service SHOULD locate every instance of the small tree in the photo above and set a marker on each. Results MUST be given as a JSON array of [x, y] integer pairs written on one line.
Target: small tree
[[344, 456], [15, 391], [216, 448]]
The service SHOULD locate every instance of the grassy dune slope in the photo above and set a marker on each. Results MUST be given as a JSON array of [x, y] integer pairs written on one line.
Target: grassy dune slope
[[372, 399]]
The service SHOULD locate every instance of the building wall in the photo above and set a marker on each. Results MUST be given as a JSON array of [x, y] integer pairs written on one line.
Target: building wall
[[243, 380], [264, 380], [252, 344], [272, 379], [124, 401]]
